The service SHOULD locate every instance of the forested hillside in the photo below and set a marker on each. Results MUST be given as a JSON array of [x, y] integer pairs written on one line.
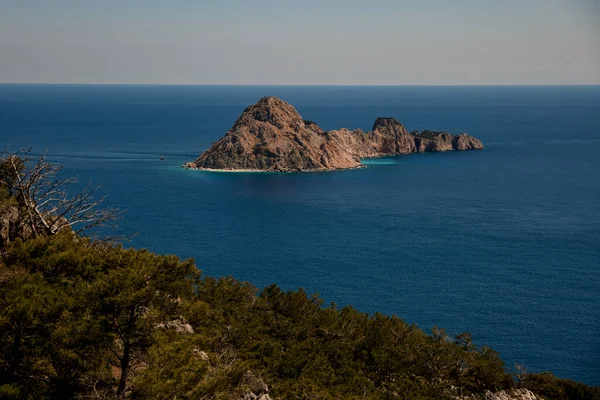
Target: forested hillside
[[88, 318]]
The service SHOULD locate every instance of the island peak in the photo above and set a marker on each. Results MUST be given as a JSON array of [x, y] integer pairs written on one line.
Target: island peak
[[272, 110], [386, 122]]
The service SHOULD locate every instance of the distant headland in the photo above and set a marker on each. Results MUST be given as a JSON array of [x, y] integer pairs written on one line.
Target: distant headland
[[272, 136]]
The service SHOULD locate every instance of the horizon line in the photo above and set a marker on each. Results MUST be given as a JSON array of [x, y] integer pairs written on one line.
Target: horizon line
[[294, 84]]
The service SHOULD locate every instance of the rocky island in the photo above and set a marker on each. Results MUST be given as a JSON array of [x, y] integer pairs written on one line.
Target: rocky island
[[272, 136]]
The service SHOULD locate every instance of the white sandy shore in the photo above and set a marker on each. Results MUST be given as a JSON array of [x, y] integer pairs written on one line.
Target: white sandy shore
[[230, 170], [267, 171]]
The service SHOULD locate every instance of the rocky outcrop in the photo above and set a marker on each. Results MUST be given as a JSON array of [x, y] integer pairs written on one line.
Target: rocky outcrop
[[254, 388], [271, 136], [517, 394], [8, 218], [201, 355], [12, 226], [177, 325]]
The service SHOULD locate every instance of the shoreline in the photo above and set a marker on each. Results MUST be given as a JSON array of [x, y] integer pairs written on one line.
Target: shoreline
[[190, 165], [266, 171], [228, 170]]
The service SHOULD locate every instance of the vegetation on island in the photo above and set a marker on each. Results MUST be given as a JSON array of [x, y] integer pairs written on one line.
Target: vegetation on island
[[83, 318]]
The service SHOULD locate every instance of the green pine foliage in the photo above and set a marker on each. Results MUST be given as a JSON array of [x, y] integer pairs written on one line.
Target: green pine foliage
[[84, 319], [551, 387]]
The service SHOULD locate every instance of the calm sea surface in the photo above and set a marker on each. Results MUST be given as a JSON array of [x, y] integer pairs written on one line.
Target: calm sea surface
[[504, 243]]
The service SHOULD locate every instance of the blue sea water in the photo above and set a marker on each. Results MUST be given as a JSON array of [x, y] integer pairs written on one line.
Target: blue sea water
[[504, 243]]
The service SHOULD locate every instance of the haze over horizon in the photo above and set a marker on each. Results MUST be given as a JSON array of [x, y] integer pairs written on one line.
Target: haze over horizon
[[269, 42]]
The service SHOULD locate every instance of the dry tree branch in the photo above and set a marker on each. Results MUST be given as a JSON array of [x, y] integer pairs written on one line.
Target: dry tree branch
[[44, 195]]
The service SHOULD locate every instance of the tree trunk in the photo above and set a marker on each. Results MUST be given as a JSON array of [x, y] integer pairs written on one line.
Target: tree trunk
[[124, 369], [125, 336], [14, 353]]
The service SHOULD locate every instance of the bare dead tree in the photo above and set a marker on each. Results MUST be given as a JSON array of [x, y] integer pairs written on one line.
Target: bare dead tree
[[520, 373], [44, 199]]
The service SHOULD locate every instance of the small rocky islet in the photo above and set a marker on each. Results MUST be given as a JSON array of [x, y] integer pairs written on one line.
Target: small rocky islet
[[272, 136]]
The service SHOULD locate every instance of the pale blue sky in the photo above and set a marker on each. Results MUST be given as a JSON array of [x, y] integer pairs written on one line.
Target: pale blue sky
[[378, 42]]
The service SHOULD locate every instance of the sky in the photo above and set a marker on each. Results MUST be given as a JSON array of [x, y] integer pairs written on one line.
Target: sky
[[308, 42]]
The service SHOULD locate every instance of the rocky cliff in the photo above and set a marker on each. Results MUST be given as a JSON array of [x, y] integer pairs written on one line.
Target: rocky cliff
[[271, 136], [12, 225]]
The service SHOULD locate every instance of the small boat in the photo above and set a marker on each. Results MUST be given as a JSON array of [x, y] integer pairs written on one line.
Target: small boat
[[162, 158]]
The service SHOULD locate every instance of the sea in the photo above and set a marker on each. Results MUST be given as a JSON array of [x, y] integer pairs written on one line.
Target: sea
[[503, 242]]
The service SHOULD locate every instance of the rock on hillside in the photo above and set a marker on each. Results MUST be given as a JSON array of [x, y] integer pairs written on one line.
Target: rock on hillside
[[271, 136], [515, 394]]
